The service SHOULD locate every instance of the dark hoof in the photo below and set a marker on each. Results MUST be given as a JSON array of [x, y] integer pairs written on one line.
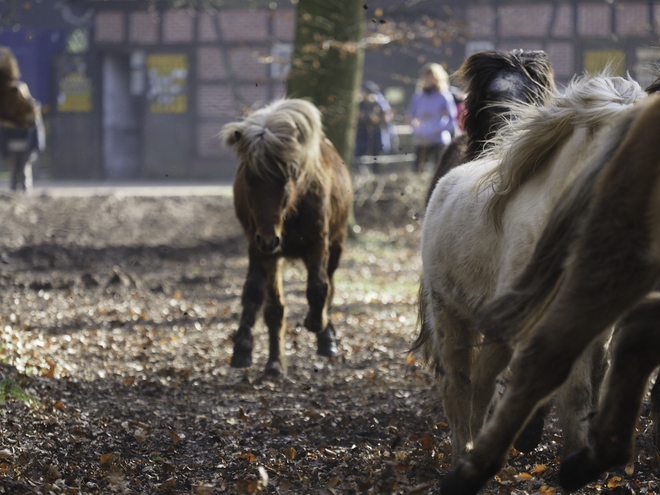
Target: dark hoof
[[578, 470], [462, 480], [241, 359], [530, 437], [274, 369], [327, 343]]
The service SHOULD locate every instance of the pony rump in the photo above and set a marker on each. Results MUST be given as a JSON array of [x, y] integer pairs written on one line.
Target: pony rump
[[517, 311], [280, 139], [529, 142]]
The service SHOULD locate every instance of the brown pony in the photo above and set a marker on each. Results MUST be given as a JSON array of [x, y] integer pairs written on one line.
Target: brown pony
[[17, 108], [292, 195], [494, 80], [597, 259]]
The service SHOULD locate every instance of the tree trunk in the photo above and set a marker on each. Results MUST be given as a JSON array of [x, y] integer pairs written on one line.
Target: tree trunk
[[327, 65]]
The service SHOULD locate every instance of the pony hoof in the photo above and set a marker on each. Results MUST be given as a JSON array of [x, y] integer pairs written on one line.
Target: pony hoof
[[530, 437], [274, 369], [241, 359], [327, 343], [578, 470], [462, 480]]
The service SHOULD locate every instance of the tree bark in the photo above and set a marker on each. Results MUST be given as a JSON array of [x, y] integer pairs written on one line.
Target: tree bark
[[327, 65]]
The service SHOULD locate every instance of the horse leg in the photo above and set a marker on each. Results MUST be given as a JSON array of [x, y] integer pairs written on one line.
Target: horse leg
[[491, 361], [576, 397], [635, 356], [274, 316], [252, 299], [458, 343], [318, 290], [578, 314], [327, 340], [655, 413]]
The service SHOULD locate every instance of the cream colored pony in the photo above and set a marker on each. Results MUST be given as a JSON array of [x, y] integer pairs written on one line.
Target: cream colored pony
[[481, 226]]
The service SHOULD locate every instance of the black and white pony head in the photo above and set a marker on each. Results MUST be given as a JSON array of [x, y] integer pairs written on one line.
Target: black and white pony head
[[496, 79]]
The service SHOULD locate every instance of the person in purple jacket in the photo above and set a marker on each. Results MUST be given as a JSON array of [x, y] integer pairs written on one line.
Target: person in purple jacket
[[432, 114]]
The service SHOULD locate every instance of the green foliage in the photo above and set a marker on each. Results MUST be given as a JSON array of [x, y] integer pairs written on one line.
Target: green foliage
[[10, 389]]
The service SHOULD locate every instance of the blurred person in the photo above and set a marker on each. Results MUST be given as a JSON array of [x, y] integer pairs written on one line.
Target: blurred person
[[432, 114], [374, 135], [20, 144]]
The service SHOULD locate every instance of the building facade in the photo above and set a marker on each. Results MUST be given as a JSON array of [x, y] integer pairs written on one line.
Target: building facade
[[139, 89]]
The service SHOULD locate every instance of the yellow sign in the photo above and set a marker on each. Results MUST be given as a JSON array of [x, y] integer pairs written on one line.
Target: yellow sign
[[596, 60], [75, 93], [168, 80]]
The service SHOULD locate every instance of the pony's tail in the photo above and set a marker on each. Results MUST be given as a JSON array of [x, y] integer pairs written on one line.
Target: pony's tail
[[425, 341], [516, 311]]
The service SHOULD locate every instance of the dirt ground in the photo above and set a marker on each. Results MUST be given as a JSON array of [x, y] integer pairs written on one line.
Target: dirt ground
[[115, 326]]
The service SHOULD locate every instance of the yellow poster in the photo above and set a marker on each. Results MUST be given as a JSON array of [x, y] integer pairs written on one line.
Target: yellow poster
[[596, 60], [75, 93], [168, 79]]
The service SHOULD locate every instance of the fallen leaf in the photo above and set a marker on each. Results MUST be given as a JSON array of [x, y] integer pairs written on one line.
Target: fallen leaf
[[60, 405], [546, 490], [168, 483], [249, 456], [524, 477], [175, 437], [428, 443], [241, 415], [333, 481], [204, 490], [630, 469], [140, 435], [613, 482], [290, 453], [5, 454], [538, 469], [106, 459], [129, 380]]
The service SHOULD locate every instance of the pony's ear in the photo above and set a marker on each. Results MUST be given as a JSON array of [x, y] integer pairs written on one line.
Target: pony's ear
[[231, 133]]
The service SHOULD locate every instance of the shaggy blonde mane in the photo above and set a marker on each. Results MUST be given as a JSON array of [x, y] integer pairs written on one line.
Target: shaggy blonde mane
[[529, 142], [282, 137]]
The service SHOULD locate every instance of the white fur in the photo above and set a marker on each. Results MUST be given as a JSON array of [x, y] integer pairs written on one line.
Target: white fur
[[481, 226]]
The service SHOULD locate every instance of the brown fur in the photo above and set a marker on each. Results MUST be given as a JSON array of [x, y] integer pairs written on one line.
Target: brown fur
[[612, 262], [293, 202]]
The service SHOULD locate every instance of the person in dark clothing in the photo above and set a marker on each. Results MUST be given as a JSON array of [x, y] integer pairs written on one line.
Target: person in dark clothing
[[21, 147]]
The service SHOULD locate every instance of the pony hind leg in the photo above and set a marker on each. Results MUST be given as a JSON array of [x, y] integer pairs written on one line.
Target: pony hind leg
[[458, 342], [274, 316], [577, 397], [576, 316], [492, 360], [252, 299], [635, 356]]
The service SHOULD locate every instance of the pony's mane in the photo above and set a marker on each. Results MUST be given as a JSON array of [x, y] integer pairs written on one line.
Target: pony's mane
[[283, 137], [527, 144], [478, 72]]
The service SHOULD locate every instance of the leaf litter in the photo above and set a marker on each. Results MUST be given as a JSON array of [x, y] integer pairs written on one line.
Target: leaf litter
[[115, 337]]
